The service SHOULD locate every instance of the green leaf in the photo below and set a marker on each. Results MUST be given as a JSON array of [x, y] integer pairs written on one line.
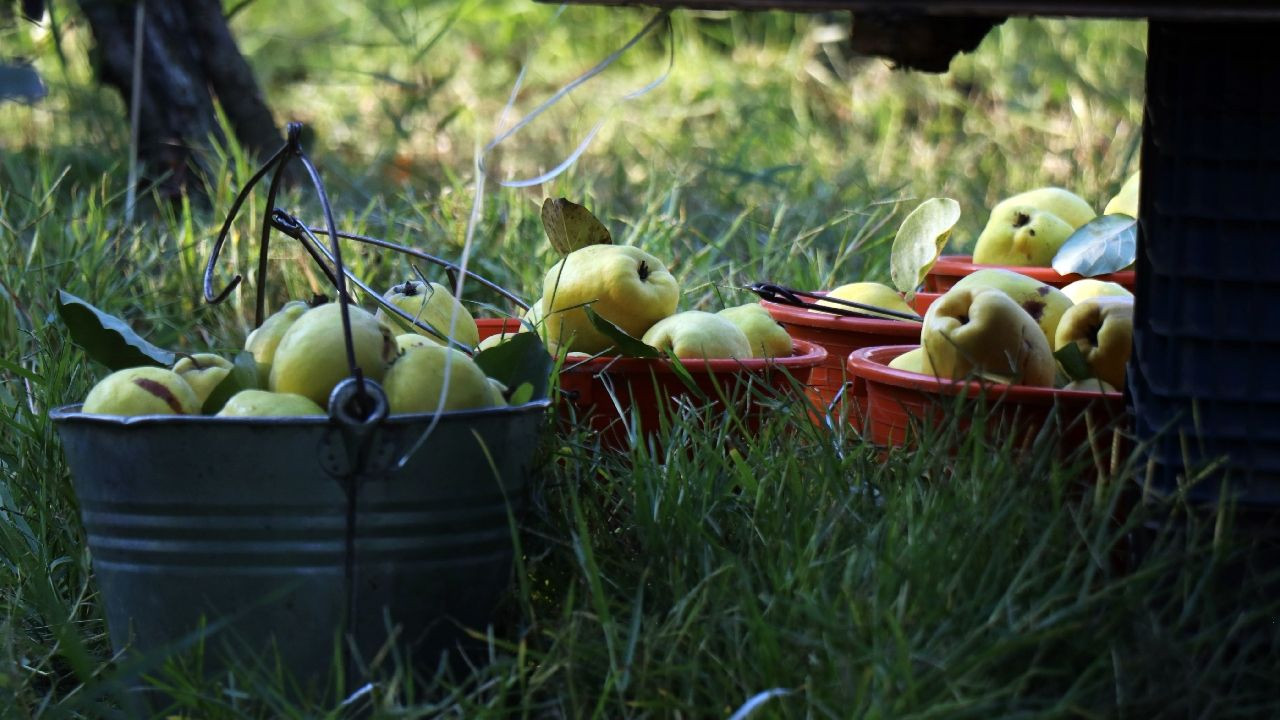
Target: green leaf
[[522, 394], [623, 343], [1073, 362], [919, 241], [106, 338], [243, 376], [570, 226], [1103, 245], [521, 360]]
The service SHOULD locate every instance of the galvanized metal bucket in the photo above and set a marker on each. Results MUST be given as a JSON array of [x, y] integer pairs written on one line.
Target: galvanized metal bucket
[[315, 542], [301, 535]]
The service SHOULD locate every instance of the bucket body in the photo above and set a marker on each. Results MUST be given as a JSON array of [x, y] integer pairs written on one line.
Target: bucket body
[[239, 525], [900, 403], [950, 268], [613, 393], [1207, 308], [830, 387]]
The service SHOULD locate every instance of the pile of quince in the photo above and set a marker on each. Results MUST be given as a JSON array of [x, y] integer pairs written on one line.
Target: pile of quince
[[1005, 327], [634, 292], [1030, 227], [299, 355], [1000, 325]]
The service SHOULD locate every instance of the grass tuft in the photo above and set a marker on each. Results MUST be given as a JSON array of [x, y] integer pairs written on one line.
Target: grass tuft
[[798, 566]]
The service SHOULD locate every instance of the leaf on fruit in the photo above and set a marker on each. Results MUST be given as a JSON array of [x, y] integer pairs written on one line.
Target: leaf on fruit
[[243, 376], [521, 360], [106, 338], [919, 241], [623, 344], [570, 226], [522, 394], [1103, 245], [1071, 359]]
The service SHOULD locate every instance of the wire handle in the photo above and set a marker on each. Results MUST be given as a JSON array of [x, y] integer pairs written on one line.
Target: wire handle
[[329, 259], [783, 295], [362, 402]]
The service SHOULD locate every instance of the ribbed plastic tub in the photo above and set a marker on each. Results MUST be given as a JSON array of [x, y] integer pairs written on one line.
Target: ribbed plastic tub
[[206, 520], [612, 393], [831, 390], [949, 269], [900, 404], [1207, 309], [494, 326]]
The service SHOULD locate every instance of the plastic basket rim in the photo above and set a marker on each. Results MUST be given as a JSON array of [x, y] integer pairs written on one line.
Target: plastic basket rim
[[871, 365], [805, 354], [806, 318], [963, 265]]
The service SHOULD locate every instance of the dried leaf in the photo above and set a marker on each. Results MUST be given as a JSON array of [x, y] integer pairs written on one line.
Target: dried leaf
[[570, 226]]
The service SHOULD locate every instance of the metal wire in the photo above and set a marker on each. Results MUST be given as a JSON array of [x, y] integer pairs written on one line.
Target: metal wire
[[328, 259], [783, 295]]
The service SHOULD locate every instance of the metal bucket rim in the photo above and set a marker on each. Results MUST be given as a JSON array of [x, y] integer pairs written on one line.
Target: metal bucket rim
[[71, 414]]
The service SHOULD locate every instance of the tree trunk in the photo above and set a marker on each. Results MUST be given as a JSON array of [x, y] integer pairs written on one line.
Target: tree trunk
[[189, 60]]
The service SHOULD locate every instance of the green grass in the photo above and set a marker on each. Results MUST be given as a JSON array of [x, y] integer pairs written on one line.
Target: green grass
[[677, 583]]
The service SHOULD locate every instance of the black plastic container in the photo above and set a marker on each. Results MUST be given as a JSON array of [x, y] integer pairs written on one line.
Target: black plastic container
[[1204, 380]]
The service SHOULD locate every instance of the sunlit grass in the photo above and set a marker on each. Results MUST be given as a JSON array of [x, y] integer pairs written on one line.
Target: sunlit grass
[[680, 582]]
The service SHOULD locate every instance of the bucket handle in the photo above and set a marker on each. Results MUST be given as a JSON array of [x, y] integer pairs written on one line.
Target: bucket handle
[[362, 403]]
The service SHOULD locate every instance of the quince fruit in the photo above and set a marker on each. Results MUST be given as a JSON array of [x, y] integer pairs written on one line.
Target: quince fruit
[[1126, 201], [532, 317], [404, 341], [910, 361], [203, 372], [869, 293], [1028, 228], [497, 393], [312, 356], [1044, 303], [264, 403], [414, 381], [767, 338], [699, 335], [494, 340], [263, 341], [1082, 290], [433, 304], [1102, 327], [982, 331], [624, 285], [142, 391]]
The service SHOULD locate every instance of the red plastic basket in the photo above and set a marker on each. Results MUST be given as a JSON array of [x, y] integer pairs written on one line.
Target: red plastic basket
[[653, 386], [950, 268], [840, 336], [493, 326], [608, 391], [900, 403]]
